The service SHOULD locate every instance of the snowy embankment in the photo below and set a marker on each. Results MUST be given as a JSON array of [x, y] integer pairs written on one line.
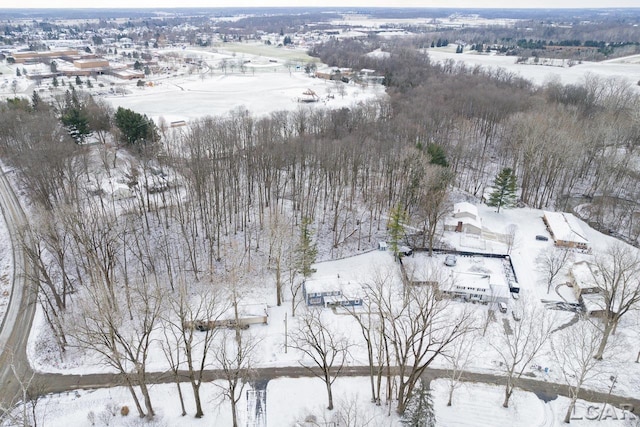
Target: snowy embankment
[[6, 269]]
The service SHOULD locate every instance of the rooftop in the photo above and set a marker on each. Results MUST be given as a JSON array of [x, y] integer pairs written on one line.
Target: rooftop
[[565, 226]]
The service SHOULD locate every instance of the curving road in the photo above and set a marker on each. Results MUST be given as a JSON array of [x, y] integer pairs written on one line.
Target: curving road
[[14, 333]]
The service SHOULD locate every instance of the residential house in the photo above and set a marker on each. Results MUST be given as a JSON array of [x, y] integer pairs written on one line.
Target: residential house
[[583, 278], [565, 230], [465, 219]]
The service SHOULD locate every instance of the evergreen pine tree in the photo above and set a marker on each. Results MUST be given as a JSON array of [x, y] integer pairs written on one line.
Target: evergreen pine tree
[[36, 100], [504, 190], [438, 156], [77, 123], [419, 411], [306, 250], [397, 217]]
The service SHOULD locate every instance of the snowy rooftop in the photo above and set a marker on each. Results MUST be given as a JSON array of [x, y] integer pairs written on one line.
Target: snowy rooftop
[[471, 281], [583, 275], [565, 227], [466, 213], [593, 302], [350, 274], [465, 207], [421, 267]]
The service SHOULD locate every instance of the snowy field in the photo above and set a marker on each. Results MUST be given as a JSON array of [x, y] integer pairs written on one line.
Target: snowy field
[[480, 405], [626, 68], [188, 98]]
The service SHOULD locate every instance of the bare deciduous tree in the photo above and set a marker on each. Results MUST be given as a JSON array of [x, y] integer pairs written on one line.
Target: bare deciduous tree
[[552, 263], [191, 330], [575, 348], [419, 328], [521, 342], [327, 349], [618, 275], [459, 357], [101, 327], [511, 234], [236, 360]]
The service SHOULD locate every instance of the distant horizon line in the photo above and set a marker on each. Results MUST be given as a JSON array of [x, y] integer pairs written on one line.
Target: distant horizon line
[[318, 7]]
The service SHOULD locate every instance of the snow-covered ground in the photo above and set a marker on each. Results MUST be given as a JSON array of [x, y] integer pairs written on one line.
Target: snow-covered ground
[[480, 405], [188, 98], [362, 267], [625, 68], [290, 401]]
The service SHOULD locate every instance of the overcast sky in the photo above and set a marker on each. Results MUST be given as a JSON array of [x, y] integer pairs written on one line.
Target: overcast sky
[[320, 3]]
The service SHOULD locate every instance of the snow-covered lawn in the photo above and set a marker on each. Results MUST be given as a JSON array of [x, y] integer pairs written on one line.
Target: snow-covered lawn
[[262, 92], [290, 401], [480, 405]]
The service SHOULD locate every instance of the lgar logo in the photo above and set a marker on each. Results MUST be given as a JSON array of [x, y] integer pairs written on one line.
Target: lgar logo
[[606, 412]]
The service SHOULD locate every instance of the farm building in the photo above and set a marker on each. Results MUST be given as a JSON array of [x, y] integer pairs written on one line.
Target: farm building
[[565, 230], [465, 219]]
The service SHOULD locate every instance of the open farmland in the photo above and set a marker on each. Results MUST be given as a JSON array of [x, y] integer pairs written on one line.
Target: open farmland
[[557, 70], [262, 92]]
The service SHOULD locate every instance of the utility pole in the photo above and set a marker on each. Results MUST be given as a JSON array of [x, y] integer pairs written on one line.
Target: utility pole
[[286, 335], [613, 383]]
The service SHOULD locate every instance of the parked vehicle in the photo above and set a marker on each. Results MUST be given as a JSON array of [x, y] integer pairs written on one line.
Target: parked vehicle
[[542, 238], [405, 251], [450, 261], [502, 307], [516, 315]]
